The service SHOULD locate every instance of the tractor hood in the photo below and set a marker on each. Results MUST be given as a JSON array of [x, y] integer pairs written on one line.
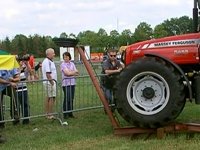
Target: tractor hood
[[156, 46]]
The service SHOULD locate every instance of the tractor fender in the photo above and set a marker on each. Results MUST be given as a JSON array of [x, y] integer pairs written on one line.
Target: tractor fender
[[179, 70]]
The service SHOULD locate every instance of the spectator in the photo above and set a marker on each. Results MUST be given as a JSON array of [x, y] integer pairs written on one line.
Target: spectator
[[111, 67], [37, 69], [68, 70], [22, 92], [38, 66], [49, 73], [32, 68], [8, 84], [8, 79]]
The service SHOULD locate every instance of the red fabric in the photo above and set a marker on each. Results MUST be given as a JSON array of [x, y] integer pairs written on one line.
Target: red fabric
[[32, 61]]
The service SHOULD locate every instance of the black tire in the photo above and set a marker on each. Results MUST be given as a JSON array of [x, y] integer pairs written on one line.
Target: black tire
[[149, 93]]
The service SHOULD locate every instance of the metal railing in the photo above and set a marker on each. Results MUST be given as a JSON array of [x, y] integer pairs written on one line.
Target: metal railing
[[85, 97]]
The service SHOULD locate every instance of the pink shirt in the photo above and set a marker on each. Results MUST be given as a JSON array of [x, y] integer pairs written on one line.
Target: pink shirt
[[68, 80]]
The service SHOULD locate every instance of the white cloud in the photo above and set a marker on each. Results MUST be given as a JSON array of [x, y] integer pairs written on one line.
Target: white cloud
[[11, 13], [94, 5]]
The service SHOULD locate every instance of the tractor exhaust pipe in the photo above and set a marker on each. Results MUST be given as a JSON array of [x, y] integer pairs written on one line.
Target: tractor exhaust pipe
[[195, 15]]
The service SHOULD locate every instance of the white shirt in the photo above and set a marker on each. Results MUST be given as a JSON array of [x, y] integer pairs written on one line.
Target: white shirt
[[49, 66]]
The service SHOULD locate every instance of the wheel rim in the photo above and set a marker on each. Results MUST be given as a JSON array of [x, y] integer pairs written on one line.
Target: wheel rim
[[148, 93]]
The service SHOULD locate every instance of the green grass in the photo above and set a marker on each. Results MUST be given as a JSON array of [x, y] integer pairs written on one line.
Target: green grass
[[92, 130]]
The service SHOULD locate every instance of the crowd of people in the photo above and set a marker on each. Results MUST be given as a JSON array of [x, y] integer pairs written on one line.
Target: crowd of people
[[13, 84]]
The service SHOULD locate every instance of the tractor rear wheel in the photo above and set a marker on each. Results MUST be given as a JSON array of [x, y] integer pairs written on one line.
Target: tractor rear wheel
[[149, 93]]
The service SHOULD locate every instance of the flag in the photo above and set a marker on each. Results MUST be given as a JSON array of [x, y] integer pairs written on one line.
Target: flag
[[8, 62]]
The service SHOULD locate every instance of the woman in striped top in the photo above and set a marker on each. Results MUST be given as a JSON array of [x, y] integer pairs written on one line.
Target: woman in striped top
[[22, 92]]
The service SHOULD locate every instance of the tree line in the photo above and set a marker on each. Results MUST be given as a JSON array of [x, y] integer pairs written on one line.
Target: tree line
[[98, 41]]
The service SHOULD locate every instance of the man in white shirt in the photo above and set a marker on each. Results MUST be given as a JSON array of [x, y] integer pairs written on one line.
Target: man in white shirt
[[49, 74]]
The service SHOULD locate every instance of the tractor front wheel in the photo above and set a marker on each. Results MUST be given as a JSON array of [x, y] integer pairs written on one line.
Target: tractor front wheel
[[149, 93]]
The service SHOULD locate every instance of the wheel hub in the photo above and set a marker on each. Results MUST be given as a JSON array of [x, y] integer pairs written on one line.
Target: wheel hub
[[148, 93]]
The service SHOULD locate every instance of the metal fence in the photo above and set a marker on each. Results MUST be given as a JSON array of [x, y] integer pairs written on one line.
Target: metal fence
[[85, 97]]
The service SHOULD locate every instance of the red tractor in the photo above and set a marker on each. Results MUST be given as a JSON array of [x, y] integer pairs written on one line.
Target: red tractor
[[160, 75]]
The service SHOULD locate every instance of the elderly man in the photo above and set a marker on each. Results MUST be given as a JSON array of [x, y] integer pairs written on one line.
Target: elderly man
[[49, 73]]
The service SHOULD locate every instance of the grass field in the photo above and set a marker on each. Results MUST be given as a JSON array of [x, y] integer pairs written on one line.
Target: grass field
[[92, 130]]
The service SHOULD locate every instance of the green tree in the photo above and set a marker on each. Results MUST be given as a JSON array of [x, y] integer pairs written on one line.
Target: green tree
[[114, 39], [88, 38], [36, 45], [143, 32], [174, 26], [126, 37], [177, 26], [185, 24], [6, 45], [102, 41], [63, 35], [19, 44], [160, 31]]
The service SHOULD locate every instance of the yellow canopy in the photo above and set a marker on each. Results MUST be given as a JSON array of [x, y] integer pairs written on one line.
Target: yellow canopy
[[8, 62]]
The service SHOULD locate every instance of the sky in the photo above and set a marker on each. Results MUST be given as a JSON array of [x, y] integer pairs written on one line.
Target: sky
[[52, 17]]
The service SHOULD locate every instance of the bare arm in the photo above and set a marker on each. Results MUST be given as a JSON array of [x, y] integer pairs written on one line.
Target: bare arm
[[12, 83], [68, 72], [109, 72], [49, 78], [16, 78], [2, 81], [118, 70]]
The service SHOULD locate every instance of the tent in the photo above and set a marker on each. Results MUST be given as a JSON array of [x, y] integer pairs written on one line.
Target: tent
[[7, 62], [3, 52]]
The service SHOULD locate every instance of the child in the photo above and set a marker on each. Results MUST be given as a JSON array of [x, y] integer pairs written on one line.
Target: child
[[22, 92]]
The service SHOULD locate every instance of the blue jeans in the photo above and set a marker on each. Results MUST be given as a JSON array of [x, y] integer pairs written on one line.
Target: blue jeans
[[108, 93], [23, 104], [69, 92]]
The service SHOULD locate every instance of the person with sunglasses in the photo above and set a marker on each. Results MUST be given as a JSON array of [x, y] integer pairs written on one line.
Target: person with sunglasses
[[111, 67]]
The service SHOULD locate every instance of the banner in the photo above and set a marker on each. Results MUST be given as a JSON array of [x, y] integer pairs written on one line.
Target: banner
[[8, 62]]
